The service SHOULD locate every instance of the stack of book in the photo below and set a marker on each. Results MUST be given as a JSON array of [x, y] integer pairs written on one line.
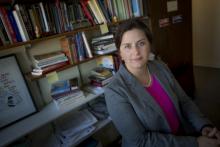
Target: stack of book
[[70, 131], [76, 47], [103, 44], [65, 92], [100, 76], [48, 62]]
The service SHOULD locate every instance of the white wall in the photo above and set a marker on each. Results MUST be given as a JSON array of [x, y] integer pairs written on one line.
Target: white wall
[[206, 32]]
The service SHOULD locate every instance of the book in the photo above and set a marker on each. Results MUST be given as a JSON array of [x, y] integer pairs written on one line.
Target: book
[[95, 12], [103, 37], [21, 26], [66, 48], [3, 34], [101, 72], [94, 89], [45, 19], [60, 87], [99, 82], [88, 50], [136, 8], [22, 9], [86, 12], [105, 61], [7, 24], [105, 49], [48, 56], [68, 98], [63, 86]]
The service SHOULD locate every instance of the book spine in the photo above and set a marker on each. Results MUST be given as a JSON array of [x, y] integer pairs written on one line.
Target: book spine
[[98, 9], [7, 25], [88, 49], [95, 12], [26, 19], [45, 21], [54, 67], [14, 25], [65, 47], [3, 34], [86, 12], [21, 27], [136, 8], [104, 10]]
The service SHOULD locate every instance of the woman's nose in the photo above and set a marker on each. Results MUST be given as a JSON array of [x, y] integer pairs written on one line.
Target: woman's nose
[[135, 50]]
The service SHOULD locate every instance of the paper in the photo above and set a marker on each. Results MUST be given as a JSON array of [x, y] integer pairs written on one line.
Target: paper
[[177, 19], [52, 77], [104, 28], [164, 22], [172, 6]]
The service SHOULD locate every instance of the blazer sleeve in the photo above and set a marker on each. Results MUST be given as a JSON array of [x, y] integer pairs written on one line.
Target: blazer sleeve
[[132, 130], [187, 106]]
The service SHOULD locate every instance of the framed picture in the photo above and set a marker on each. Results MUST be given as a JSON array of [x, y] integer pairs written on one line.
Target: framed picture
[[15, 99]]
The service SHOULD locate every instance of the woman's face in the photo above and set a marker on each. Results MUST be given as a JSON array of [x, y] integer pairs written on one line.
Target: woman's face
[[134, 49]]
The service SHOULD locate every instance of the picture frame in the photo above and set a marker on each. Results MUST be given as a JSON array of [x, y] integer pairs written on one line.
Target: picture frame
[[15, 98]]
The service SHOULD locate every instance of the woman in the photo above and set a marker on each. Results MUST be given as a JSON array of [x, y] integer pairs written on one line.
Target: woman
[[145, 102]]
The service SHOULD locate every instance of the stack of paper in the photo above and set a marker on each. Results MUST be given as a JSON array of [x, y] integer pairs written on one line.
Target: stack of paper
[[80, 125]]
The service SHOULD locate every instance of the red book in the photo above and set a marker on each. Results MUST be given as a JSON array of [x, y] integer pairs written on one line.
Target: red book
[[86, 12], [7, 24], [54, 67]]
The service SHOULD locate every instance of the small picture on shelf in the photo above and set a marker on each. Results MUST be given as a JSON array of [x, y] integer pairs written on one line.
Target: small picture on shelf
[[15, 99]]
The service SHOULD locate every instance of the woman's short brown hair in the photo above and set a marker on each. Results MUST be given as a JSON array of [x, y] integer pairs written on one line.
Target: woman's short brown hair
[[129, 25]]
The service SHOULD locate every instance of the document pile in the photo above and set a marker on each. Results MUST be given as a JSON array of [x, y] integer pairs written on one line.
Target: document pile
[[74, 129]]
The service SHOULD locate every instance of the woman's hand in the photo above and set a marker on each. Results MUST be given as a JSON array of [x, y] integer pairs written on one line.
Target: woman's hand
[[211, 132], [204, 141]]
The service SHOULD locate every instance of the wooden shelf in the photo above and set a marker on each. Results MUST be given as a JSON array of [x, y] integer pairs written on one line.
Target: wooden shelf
[[90, 28], [48, 114], [31, 77]]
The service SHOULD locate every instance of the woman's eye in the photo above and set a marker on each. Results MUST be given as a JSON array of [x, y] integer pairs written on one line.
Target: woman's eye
[[140, 44], [127, 46]]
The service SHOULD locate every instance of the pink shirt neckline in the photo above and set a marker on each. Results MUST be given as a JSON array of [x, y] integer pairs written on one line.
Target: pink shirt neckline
[[163, 100]]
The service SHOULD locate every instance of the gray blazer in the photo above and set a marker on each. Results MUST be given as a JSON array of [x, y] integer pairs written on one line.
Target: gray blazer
[[140, 120]]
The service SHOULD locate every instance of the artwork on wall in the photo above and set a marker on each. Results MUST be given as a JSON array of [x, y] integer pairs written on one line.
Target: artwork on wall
[[15, 99]]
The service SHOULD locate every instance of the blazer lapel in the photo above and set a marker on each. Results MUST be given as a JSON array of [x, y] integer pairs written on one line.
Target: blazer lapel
[[164, 82], [138, 90]]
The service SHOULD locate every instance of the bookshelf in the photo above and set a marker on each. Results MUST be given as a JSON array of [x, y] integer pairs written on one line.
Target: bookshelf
[[48, 114], [167, 43], [48, 42]]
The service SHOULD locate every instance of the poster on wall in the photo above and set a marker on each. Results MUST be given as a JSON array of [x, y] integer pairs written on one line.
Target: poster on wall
[[15, 99]]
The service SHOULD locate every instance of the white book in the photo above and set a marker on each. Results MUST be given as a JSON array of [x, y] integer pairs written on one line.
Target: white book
[[106, 51], [98, 9], [44, 17], [88, 49], [97, 16], [97, 39], [21, 26], [49, 58]]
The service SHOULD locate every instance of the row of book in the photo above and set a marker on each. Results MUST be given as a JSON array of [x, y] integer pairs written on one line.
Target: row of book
[[78, 48], [74, 49], [103, 44], [101, 75], [65, 92], [48, 62], [26, 22]]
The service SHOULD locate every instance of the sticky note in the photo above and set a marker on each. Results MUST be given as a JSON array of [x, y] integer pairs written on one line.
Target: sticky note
[[104, 28], [172, 6], [52, 77]]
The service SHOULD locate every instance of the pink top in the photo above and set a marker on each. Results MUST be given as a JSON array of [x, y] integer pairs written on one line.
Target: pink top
[[163, 99]]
